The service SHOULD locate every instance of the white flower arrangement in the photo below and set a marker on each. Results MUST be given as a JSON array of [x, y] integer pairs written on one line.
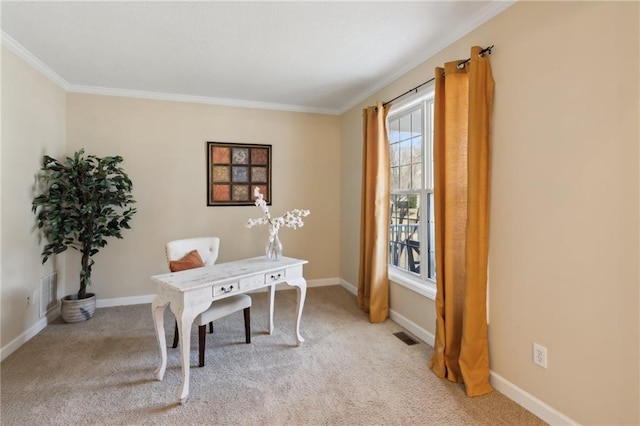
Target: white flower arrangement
[[291, 219]]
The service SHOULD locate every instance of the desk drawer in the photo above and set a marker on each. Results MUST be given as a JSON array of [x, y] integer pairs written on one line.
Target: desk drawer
[[231, 287], [274, 277]]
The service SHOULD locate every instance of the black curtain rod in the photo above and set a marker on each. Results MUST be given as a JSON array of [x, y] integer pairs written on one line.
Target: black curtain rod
[[460, 66]]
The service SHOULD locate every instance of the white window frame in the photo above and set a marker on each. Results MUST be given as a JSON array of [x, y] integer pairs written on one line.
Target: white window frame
[[419, 284]]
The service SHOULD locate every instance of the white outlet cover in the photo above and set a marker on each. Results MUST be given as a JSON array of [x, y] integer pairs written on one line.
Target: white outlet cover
[[540, 355]]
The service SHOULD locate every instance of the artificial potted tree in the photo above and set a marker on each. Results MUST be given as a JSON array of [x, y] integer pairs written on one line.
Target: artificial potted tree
[[82, 201]]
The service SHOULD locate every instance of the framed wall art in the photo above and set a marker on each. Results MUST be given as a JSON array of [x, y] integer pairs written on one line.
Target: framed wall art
[[234, 170]]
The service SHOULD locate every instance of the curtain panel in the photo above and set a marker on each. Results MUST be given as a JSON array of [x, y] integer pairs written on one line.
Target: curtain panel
[[463, 102], [373, 279]]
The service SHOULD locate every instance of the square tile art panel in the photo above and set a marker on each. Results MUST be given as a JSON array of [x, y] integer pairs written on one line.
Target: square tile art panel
[[234, 170]]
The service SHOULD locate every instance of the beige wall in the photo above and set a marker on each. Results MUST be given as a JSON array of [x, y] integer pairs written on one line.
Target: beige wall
[[163, 145], [33, 123], [564, 245], [565, 209]]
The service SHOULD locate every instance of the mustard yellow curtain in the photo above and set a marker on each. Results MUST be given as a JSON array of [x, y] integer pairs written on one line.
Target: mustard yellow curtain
[[463, 100], [373, 280]]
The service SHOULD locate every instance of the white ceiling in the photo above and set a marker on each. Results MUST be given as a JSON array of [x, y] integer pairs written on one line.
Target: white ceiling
[[300, 56]]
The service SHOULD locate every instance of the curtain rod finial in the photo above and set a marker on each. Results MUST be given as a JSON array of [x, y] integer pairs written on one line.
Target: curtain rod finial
[[485, 51]]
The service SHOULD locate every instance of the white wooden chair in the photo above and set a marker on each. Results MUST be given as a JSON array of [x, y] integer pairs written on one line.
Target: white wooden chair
[[207, 248]]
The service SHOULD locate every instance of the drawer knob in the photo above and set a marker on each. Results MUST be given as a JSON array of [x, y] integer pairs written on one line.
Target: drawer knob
[[227, 289], [275, 277]]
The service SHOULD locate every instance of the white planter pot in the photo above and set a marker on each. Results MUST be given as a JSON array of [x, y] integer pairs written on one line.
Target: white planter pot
[[78, 310]]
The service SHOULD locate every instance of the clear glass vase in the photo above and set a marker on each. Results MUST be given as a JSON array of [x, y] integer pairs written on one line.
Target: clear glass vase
[[274, 248]]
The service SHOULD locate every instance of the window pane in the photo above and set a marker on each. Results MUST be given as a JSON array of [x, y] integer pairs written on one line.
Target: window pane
[[412, 246], [393, 130], [394, 154], [404, 233], [405, 127], [430, 146], [416, 176], [395, 178], [431, 236], [416, 122], [405, 152], [405, 177], [416, 150]]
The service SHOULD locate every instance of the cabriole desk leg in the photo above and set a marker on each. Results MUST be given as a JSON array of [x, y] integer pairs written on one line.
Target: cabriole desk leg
[[157, 311], [301, 289], [185, 318], [272, 296]]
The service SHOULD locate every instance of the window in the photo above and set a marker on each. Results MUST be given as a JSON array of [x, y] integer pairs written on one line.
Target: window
[[411, 229]]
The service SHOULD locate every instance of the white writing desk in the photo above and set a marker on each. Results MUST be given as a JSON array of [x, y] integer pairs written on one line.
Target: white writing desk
[[189, 293]]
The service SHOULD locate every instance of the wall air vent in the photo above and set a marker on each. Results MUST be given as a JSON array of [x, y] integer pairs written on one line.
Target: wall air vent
[[48, 293]]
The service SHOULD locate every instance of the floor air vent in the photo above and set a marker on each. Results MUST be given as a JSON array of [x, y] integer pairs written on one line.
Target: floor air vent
[[405, 338]]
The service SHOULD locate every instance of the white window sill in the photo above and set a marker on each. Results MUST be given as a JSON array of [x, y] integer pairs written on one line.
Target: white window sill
[[424, 288]]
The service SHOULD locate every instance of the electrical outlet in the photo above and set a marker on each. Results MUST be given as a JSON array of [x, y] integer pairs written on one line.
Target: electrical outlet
[[31, 298], [540, 355]]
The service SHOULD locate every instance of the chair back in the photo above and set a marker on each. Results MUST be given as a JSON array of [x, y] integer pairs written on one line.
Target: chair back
[[207, 248]]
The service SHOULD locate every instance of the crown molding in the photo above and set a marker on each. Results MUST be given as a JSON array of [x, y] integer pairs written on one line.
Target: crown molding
[[92, 90], [39, 66], [492, 9], [30, 59]]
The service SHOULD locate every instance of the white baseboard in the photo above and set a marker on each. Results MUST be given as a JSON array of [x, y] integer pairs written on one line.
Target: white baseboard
[[412, 327], [124, 301], [349, 287], [13, 345], [529, 402], [404, 322], [508, 389], [511, 391], [323, 282]]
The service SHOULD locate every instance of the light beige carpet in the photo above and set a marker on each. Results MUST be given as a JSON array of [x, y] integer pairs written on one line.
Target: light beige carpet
[[348, 372]]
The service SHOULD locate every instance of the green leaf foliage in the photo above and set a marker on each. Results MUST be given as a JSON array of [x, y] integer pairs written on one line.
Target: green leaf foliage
[[83, 201]]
